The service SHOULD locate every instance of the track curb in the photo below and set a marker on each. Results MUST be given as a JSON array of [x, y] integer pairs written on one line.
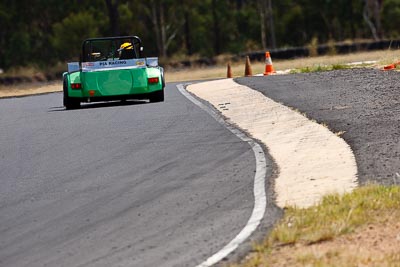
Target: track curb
[[312, 160]]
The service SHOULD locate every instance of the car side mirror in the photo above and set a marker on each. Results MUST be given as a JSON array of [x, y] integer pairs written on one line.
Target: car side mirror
[[141, 54]]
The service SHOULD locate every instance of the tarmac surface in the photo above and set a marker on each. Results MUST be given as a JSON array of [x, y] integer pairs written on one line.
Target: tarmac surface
[[120, 184], [125, 217], [362, 104]]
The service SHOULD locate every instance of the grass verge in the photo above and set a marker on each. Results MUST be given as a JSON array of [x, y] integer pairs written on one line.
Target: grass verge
[[318, 68], [356, 229]]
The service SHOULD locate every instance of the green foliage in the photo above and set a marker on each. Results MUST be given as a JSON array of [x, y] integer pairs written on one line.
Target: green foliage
[[318, 68], [20, 42], [47, 31], [391, 18], [292, 18], [69, 33]]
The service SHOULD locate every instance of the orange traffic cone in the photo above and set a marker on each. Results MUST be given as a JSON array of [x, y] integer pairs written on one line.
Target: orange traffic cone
[[269, 69], [389, 67], [229, 71], [247, 70]]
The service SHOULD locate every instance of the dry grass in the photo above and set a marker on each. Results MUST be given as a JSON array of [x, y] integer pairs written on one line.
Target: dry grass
[[382, 58], [219, 71], [357, 229], [30, 89]]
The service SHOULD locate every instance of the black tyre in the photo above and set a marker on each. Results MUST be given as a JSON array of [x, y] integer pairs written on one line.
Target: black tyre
[[162, 77], [157, 96], [69, 102]]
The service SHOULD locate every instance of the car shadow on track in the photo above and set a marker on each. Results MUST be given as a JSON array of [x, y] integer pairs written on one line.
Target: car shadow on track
[[101, 105]]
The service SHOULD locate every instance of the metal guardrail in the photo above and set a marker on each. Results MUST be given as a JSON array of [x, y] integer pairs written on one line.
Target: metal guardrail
[[295, 52]]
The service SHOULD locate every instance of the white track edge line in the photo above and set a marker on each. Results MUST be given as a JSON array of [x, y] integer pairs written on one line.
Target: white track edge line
[[260, 200]]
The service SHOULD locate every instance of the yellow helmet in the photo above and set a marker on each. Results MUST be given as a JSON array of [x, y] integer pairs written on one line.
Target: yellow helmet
[[126, 46]]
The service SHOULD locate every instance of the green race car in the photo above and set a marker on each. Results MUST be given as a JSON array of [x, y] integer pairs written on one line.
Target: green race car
[[112, 68]]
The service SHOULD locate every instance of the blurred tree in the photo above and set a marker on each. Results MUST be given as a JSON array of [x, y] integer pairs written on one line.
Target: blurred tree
[[216, 18], [199, 24], [291, 16], [113, 14], [371, 14], [71, 31], [391, 18], [271, 24], [267, 23], [187, 29], [45, 31], [132, 19], [246, 28], [5, 23], [166, 25], [262, 7]]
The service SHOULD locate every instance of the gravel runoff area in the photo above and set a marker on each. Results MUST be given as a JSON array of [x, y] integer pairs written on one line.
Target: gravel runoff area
[[362, 104]]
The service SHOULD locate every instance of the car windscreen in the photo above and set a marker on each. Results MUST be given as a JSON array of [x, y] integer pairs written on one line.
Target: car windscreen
[[110, 49]]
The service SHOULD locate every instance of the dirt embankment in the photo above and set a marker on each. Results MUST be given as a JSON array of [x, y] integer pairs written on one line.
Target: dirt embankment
[[30, 89]]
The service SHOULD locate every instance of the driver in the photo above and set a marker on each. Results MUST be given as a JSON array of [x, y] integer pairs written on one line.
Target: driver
[[125, 46]]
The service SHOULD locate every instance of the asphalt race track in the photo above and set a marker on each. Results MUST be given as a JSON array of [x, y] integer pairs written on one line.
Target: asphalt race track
[[119, 184], [362, 103], [164, 184]]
